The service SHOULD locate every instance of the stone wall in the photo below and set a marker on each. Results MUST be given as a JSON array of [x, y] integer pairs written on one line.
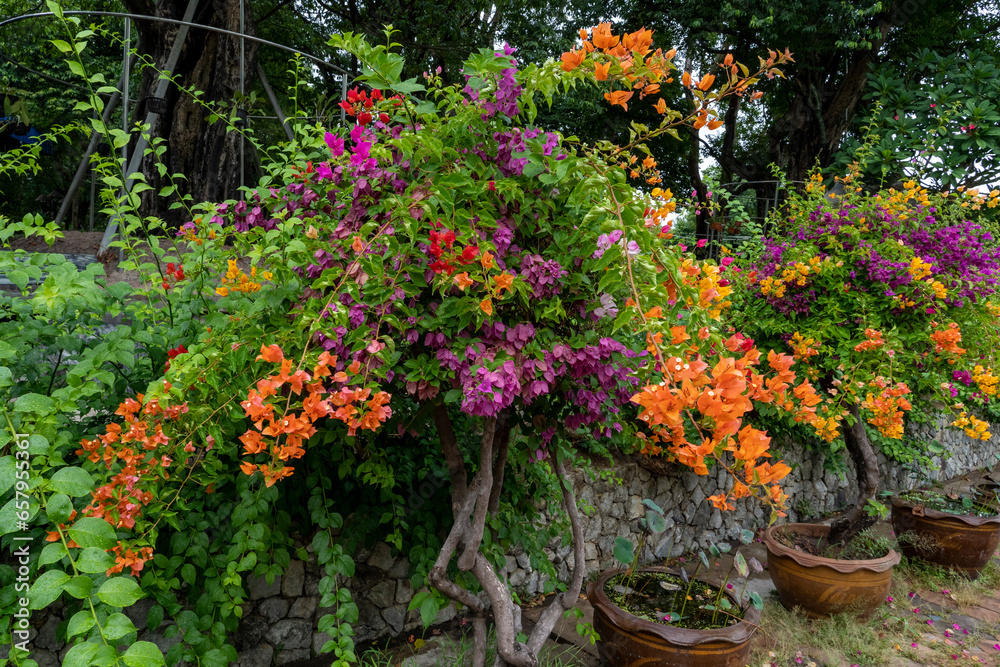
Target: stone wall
[[280, 619], [693, 523]]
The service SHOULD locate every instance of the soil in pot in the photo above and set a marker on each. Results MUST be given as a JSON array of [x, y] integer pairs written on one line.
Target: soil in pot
[[981, 504], [866, 545], [630, 641], [821, 585], [661, 597], [955, 532]]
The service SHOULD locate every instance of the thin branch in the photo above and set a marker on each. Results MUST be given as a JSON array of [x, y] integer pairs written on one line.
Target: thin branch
[[501, 446]]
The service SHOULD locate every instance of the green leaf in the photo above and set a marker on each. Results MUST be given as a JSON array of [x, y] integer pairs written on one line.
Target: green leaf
[[624, 550], [47, 589], [58, 508], [657, 523], [52, 553], [79, 586], [119, 592], [72, 481], [746, 536], [144, 654], [94, 561], [407, 87], [429, 610], [117, 626], [756, 600], [81, 655], [741, 564], [8, 473], [33, 403], [93, 532], [214, 658], [653, 506], [154, 617], [81, 622]]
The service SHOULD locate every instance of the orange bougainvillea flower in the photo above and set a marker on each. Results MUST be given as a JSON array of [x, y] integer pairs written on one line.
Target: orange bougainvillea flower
[[270, 353], [572, 59], [619, 98], [358, 245], [487, 260], [463, 280], [686, 79], [601, 70], [640, 41], [504, 281], [486, 306], [706, 82], [603, 38]]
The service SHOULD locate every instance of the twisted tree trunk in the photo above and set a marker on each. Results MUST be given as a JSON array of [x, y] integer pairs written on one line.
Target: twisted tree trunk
[[472, 503], [862, 453]]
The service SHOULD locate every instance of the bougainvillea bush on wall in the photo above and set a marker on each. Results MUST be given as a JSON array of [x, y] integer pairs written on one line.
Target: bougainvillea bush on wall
[[887, 300], [440, 281]]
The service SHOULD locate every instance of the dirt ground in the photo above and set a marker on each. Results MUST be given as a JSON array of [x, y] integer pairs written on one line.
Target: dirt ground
[[88, 243], [72, 243]]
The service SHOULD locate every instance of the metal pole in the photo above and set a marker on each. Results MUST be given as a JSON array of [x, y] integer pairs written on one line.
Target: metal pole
[[95, 137], [274, 103], [161, 91], [242, 92], [343, 96], [126, 75]]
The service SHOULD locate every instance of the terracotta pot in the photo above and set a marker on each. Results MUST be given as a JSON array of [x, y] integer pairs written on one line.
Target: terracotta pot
[[826, 586], [627, 641], [963, 543]]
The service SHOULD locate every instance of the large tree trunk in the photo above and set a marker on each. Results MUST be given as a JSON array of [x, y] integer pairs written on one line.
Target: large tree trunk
[[862, 453], [207, 154]]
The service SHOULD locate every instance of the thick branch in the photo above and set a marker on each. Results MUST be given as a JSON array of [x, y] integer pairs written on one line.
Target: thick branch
[[866, 465], [567, 598], [453, 458], [510, 650], [484, 483]]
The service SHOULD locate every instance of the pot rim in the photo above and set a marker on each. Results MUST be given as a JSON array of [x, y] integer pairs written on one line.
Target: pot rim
[[882, 564], [688, 637], [931, 513]]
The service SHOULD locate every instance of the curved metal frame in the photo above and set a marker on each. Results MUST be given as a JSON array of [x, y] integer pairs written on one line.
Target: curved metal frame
[[186, 24], [143, 17]]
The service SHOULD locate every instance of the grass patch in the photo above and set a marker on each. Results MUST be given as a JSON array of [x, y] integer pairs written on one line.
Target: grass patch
[[899, 633]]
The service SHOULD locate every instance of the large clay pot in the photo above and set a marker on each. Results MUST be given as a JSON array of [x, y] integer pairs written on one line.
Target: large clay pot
[[627, 641], [826, 586], [963, 543]]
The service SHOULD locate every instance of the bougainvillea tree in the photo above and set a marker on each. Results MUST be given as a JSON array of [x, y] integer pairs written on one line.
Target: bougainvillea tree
[[441, 264], [886, 300]]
